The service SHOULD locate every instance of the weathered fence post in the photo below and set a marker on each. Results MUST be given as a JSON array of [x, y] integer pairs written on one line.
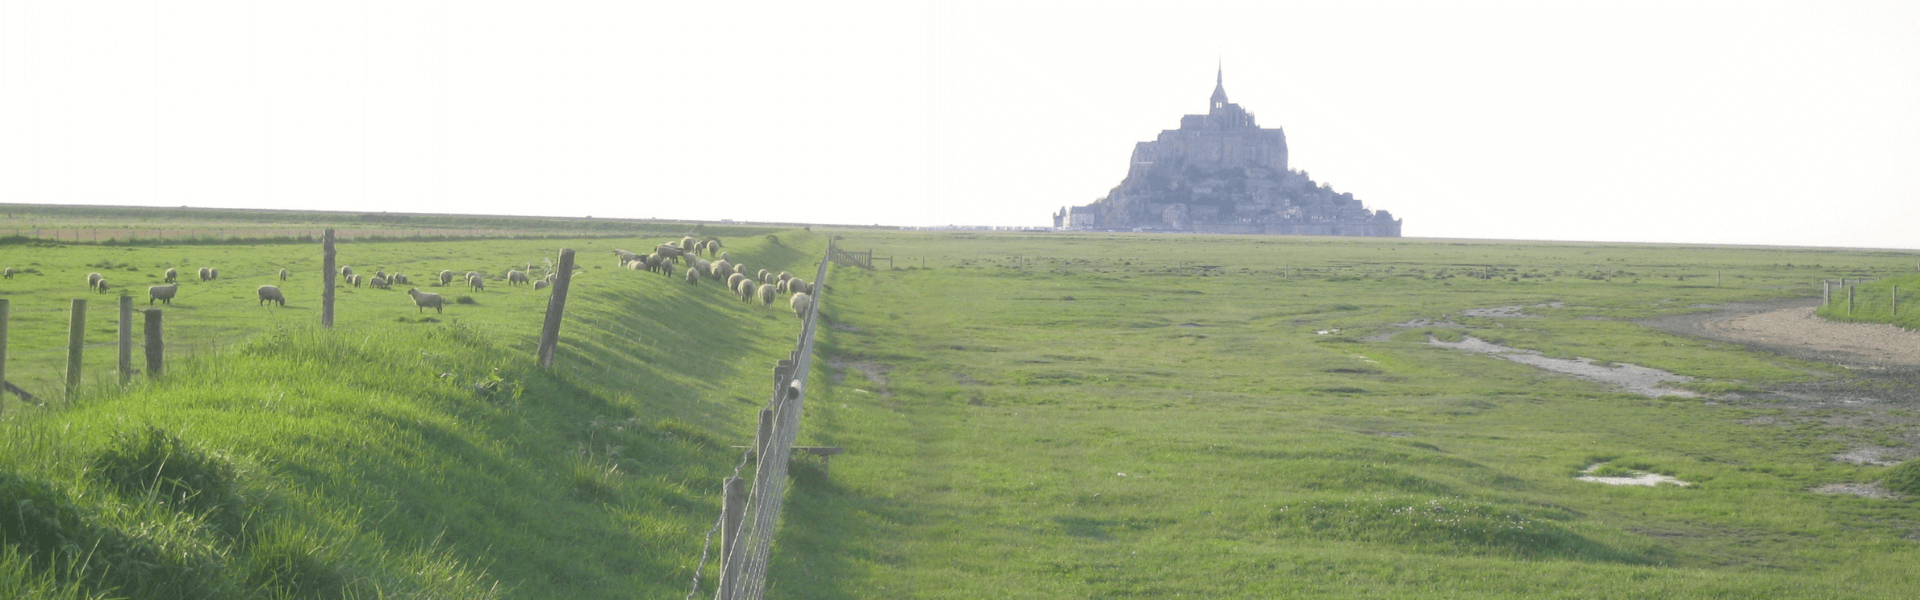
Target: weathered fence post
[[126, 340], [1826, 292], [326, 279], [1849, 301], [156, 350], [733, 507], [556, 307], [1896, 301], [76, 342], [765, 433]]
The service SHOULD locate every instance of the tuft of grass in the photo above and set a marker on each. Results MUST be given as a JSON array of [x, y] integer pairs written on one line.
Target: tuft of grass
[[1903, 478]]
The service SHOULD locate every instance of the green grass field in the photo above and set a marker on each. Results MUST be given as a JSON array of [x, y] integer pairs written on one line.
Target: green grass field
[[1026, 416], [1875, 302]]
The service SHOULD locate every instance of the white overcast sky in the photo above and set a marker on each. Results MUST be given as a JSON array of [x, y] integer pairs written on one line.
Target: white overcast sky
[[1728, 122]]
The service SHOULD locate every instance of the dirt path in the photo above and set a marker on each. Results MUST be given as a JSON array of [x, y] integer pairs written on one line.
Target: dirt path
[[1789, 327]]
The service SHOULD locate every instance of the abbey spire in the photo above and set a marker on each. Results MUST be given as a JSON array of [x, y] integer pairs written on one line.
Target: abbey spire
[[1219, 88]]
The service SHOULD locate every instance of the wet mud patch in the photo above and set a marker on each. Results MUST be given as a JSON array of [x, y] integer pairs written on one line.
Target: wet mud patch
[[1636, 379], [1863, 490]]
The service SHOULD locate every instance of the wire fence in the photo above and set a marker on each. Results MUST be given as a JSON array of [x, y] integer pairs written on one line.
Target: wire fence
[[122, 235], [749, 545]]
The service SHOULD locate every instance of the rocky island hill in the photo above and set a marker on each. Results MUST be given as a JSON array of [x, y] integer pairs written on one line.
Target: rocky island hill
[[1222, 173]]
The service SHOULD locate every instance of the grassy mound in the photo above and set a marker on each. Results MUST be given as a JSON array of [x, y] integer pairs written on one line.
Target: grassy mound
[[1874, 303], [427, 460], [1904, 478]]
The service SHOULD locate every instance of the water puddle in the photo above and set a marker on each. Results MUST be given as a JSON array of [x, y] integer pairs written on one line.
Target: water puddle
[[1637, 379], [1637, 478], [1863, 490]]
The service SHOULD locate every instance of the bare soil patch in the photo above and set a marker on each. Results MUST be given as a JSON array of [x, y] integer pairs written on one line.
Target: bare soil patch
[[1637, 379], [1864, 490]]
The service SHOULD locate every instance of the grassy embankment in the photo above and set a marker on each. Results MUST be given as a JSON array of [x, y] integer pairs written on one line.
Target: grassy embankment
[[1091, 416], [1875, 303], [402, 455]]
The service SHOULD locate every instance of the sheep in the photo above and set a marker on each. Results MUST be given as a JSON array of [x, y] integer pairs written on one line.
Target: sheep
[[171, 274], [477, 284], [740, 268], [163, 293], [801, 303], [102, 289], [704, 266], [785, 276], [713, 246], [378, 282], [686, 243], [693, 275], [283, 274], [540, 284], [446, 278], [9, 273], [733, 281], [422, 300], [782, 286], [381, 274], [354, 279], [725, 256], [270, 293], [625, 256], [762, 277], [669, 250], [720, 268], [745, 290], [766, 294], [471, 275], [516, 277], [799, 286], [205, 273], [213, 274], [346, 271], [637, 264], [400, 279], [93, 281]]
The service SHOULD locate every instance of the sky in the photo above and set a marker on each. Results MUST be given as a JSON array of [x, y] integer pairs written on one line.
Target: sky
[[1751, 122]]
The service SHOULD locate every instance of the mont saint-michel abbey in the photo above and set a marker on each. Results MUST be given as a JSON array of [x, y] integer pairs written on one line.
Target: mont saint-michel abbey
[[1221, 173]]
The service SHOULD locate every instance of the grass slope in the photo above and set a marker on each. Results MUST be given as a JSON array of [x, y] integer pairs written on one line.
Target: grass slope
[[1875, 303], [399, 457], [1097, 416]]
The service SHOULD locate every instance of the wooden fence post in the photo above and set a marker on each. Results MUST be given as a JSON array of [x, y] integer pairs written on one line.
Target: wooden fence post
[[733, 507], [6, 306], [1896, 301], [76, 342], [1826, 292], [156, 350], [126, 340], [1849, 301], [765, 433], [556, 307], [327, 273]]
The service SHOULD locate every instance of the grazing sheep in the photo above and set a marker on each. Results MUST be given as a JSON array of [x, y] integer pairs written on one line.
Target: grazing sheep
[[9, 273], [745, 290], [213, 274], [762, 277], [713, 246], [767, 294], [637, 264], [422, 300], [346, 271], [725, 256], [378, 282], [799, 286], [686, 243], [93, 281], [540, 284], [782, 285], [206, 273], [171, 274], [785, 276], [283, 274], [163, 293], [625, 256], [669, 250], [354, 279], [800, 303], [741, 269], [270, 293], [704, 266], [400, 279], [516, 277], [381, 274], [477, 284], [733, 281], [102, 287], [721, 268], [693, 275], [446, 278]]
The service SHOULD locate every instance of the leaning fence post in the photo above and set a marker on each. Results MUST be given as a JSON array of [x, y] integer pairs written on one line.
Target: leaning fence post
[[6, 306], [556, 307], [156, 350], [733, 507], [76, 337], [126, 340], [326, 279]]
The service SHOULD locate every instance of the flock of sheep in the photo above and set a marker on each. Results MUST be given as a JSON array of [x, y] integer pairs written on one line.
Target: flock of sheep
[[763, 285]]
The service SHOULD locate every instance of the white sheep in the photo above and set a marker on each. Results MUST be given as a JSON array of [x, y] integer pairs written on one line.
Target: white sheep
[[93, 281], [724, 256], [102, 287], [9, 273], [163, 293], [720, 268], [540, 284], [400, 279], [799, 286], [206, 273], [378, 282], [733, 281], [270, 293], [283, 274], [693, 275], [516, 277], [686, 243], [767, 294], [422, 300], [346, 271], [446, 278], [477, 284], [354, 279], [762, 277], [213, 274], [713, 246], [171, 274], [785, 276], [800, 303], [746, 290]]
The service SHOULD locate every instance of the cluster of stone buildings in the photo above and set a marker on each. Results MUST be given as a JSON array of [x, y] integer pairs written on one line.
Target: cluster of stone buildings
[[1222, 173]]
